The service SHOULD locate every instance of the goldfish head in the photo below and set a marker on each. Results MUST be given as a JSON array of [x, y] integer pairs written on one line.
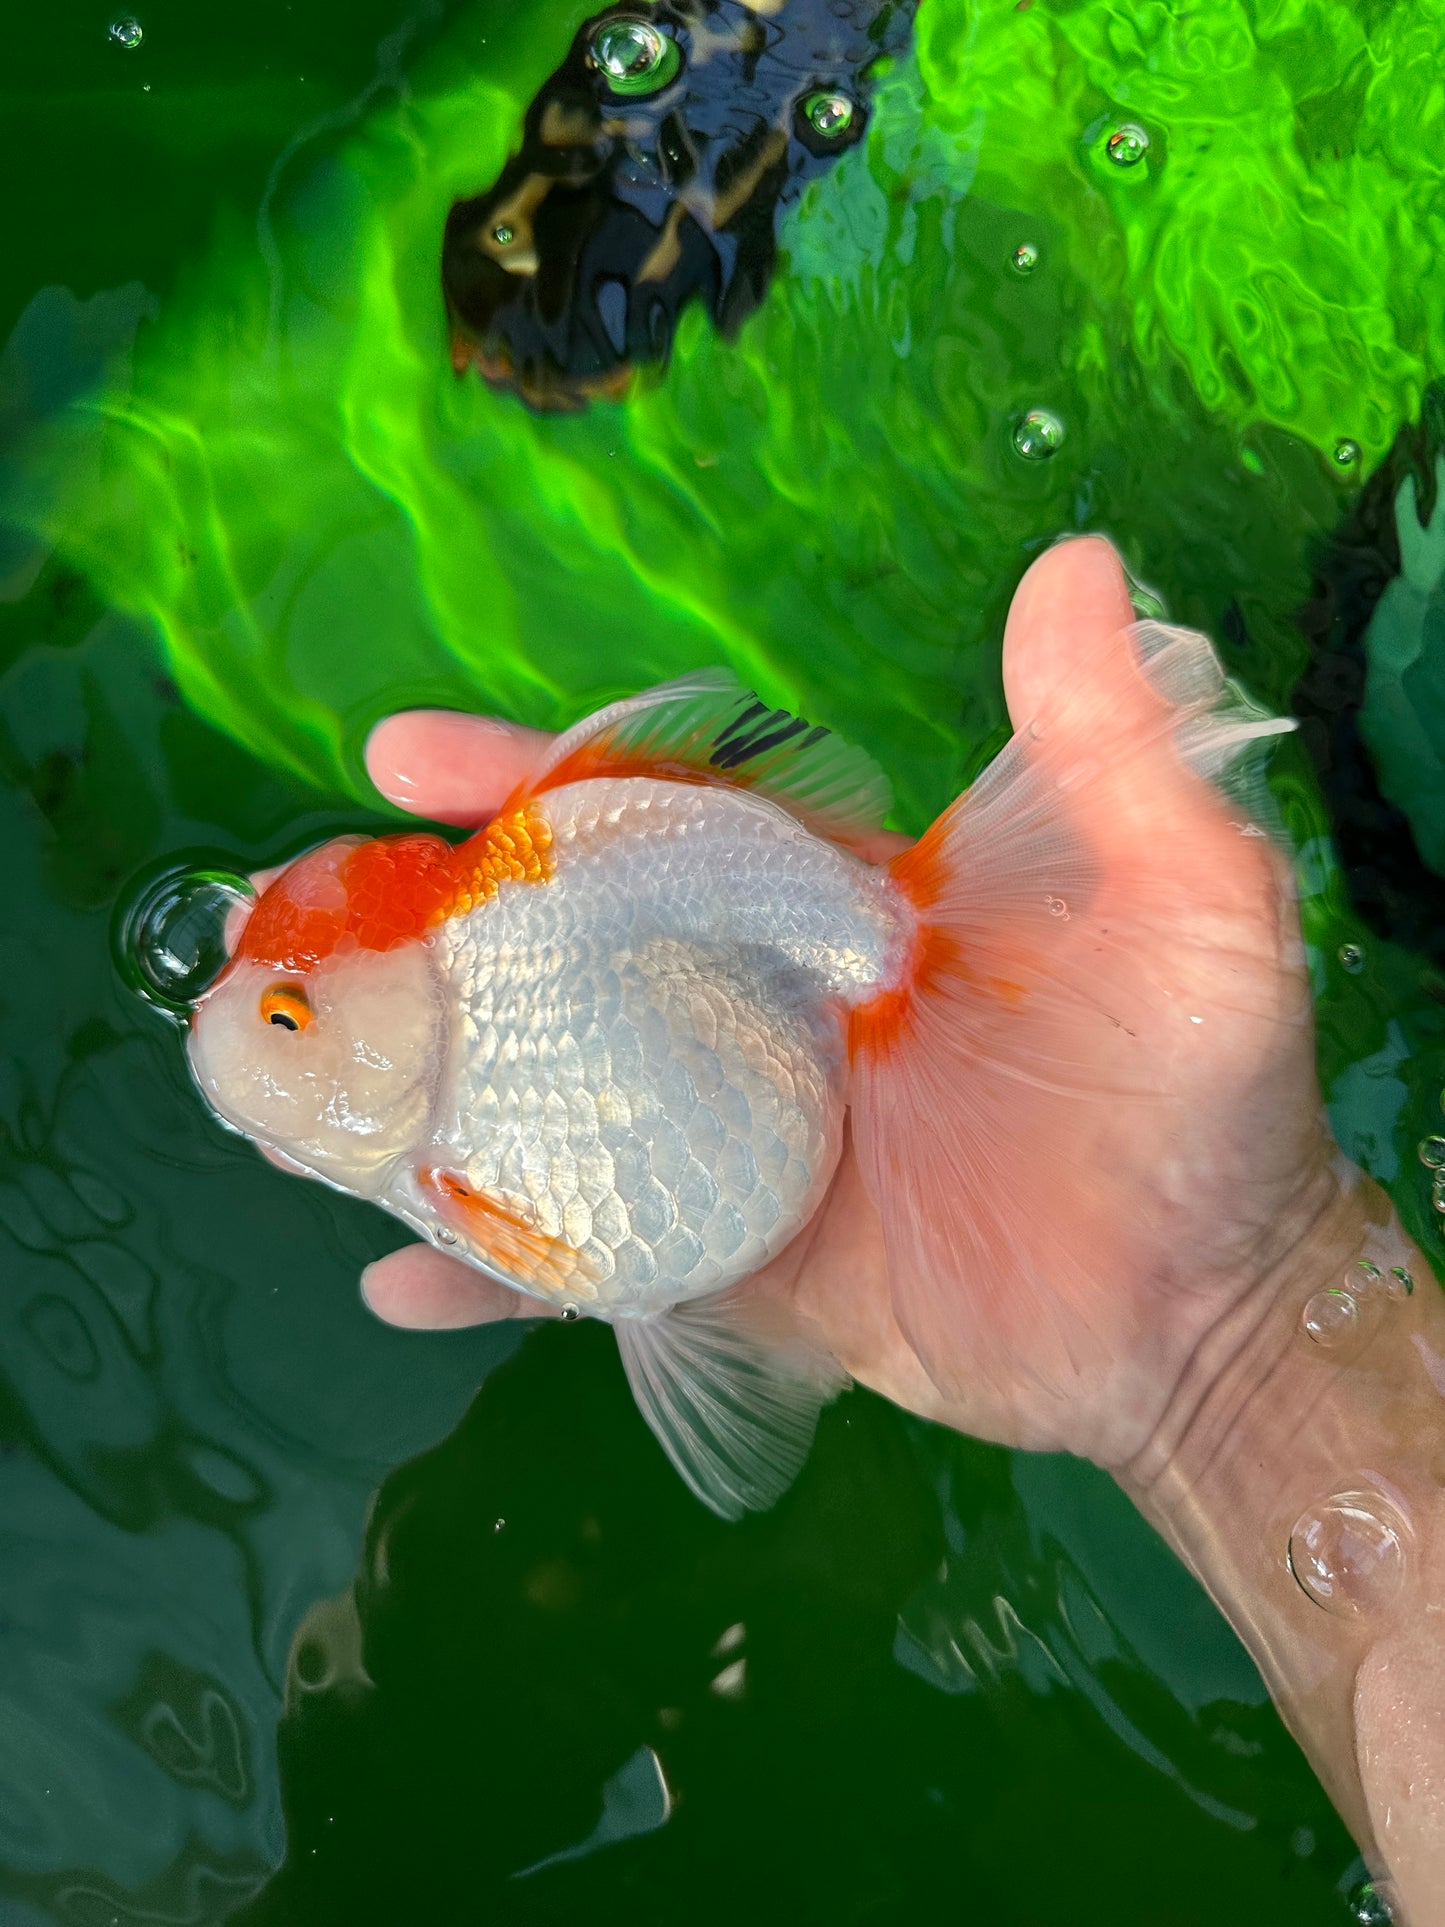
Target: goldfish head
[[324, 1036]]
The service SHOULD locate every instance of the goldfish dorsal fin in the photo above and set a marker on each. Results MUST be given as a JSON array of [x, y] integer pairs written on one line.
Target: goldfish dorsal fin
[[733, 1407], [705, 728]]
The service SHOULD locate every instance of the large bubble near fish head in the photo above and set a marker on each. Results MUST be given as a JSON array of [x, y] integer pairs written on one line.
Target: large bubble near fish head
[[169, 932]]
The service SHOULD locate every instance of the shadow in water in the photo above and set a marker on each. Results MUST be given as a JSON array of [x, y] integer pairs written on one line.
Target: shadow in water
[[1376, 614], [655, 165], [556, 1677]]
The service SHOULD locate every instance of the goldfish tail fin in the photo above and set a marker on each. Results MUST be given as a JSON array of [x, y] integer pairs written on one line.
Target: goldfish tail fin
[[733, 1406], [1053, 901]]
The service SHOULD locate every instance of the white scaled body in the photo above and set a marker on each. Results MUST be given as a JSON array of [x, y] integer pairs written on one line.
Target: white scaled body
[[604, 1049], [646, 1052]]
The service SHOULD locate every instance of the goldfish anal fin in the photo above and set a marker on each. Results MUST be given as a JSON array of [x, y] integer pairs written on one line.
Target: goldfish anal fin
[[733, 1407], [503, 1236], [704, 728]]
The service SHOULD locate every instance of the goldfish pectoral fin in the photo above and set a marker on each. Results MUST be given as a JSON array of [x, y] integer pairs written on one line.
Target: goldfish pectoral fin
[[733, 1409], [703, 728], [499, 1233]]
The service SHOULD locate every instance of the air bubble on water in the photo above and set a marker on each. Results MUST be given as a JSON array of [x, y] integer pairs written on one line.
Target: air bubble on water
[[633, 55], [1352, 958], [1348, 1553], [503, 234], [127, 32], [170, 936], [1347, 452], [1025, 258], [569, 1312], [1127, 145], [499, 1525], [1437, 1191], [1330, 1317], [444, 1236], [1431, 1152], [829, 114], [1369, 1907], [1400, 1283], [1056, 907], [1362, 1276], [1038, 434]]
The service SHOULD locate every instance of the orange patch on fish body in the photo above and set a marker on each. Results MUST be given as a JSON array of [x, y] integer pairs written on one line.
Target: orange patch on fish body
[[504, 1237], [389, 890], [515, 847], [935, 959]]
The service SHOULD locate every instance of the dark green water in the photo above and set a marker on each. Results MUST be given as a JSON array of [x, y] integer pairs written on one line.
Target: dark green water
[[302, 1620]]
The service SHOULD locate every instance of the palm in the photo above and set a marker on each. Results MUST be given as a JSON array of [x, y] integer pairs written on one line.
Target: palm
[[1114, 1251]]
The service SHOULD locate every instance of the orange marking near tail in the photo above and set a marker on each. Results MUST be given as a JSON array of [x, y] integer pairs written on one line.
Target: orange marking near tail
[[508, 1240], [373, 896], [935, 960]]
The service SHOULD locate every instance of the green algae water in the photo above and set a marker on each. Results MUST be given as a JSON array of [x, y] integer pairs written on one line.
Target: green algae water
[[304, 1620]]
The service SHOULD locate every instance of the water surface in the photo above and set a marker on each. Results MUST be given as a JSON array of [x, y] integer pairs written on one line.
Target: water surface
[[306, 1620]]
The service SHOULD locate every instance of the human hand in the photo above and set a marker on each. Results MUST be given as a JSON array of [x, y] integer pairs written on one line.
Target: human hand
[[1156, 1221]]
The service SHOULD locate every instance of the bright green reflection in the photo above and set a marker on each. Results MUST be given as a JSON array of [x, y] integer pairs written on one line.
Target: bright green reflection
[[324, 520]]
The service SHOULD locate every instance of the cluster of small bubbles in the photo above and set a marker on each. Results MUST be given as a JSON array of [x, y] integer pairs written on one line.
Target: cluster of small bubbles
[[1330, 1316], [829, 114], [1352, 958], [498, 1525], [634, 56], [1431, 1152], [1025, 258], [1056, 907], [127, 32], [503, 235], [171, 935], [1347, 452], [1127, 145], [569, 1312], [1347, 1553], [1038, 435], [1399, 1284]]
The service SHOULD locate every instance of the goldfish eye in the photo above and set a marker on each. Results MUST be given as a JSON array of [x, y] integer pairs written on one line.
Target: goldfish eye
[[286, 1005]]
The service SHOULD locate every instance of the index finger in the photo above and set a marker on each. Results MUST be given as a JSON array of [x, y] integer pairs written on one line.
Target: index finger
[[448, 766]]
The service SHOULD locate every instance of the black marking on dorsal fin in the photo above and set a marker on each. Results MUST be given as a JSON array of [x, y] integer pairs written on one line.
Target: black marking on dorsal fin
[[707, 724], [744, 718], [779, 728]]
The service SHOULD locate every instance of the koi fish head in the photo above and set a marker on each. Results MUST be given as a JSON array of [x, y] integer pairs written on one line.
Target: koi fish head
[[325, 1035]]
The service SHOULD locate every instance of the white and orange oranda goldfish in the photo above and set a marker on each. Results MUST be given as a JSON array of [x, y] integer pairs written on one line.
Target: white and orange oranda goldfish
[[604, 1048]]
